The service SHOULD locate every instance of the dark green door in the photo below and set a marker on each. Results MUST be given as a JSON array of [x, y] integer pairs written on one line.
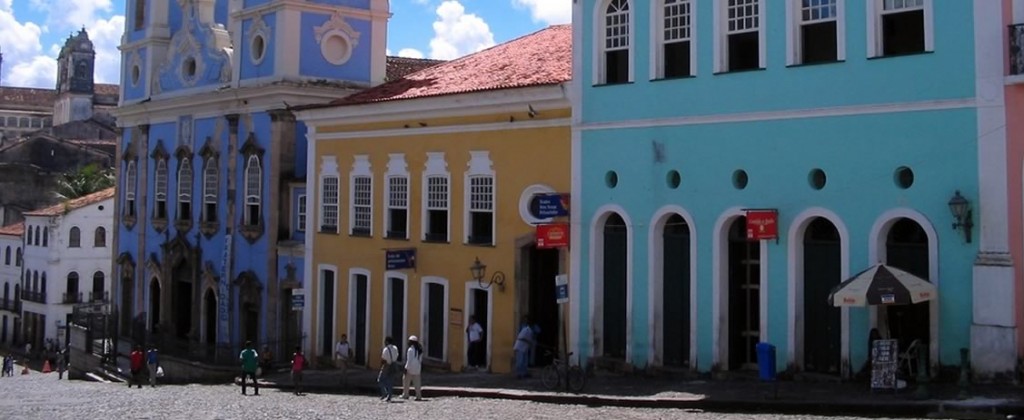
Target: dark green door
[[744, 297], [822, 322], [397, 327], [435, 320], [615, 287], [327, 314], [361, 338], [676, 293], [906, 248], [543, 308]]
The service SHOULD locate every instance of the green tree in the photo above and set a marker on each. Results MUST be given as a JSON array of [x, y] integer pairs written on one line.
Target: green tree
[[84, 181]]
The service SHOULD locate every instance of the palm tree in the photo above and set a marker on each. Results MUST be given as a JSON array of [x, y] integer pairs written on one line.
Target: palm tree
[[84, 181]]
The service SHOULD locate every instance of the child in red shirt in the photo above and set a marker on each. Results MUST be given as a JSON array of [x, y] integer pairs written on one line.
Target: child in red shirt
[[136, 367], [298, 364]]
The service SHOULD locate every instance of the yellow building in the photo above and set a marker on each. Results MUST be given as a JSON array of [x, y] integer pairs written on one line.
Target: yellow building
[[437, 171]]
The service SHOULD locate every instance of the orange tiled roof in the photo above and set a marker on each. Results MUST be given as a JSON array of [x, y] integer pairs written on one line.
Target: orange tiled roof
[[541, 58], [399, 67], [107, 89], [16, 229], [58, 209], [42, 98]]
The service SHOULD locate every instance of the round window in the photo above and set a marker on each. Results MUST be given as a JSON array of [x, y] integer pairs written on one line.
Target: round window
[[674, 179], [739, 179], [611, 179], [336, 48], [258, 48], [904, 177], [188, 68], [136, 74], [817, 178]]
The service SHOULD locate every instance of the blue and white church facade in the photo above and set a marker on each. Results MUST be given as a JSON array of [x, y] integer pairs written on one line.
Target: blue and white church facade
[[854, 123], [212, 166]]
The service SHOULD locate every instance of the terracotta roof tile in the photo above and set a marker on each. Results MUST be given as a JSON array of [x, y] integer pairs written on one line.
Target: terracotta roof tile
[[58, 209], [32, 97], [107, 89], [16, 229], [541, 58], [399, 67]]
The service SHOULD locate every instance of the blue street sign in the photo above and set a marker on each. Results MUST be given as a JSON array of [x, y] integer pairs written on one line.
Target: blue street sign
[[399, 259], [298, 302], [562, 288], [546, 206]]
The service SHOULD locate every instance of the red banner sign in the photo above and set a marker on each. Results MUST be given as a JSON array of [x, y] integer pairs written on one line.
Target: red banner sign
[[555, 235], [762, 225]]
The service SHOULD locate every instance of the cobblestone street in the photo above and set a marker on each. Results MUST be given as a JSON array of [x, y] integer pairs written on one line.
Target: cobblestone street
[[42, 396]]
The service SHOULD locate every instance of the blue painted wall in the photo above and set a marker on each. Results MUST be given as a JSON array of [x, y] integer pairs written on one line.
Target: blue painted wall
[[313, 64], [265, 67], [138, 90], [300, 149]]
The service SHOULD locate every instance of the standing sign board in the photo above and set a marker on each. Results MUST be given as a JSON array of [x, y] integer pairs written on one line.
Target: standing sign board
[[884, 364], [562, 288]]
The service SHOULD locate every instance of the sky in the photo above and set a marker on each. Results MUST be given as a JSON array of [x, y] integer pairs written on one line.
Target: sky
[[32, 31]]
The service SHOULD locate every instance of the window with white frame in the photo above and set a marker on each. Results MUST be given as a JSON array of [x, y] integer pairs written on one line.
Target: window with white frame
[[817, 32], [616, 43], [160, 195], [676, 53], [481, 209], [742, 42], [185, 189], [902, 27], [253, 190], [211, 179], [329, 190], [301, 213], [398, 207], [361, 189], [436, 198], [130, 181]]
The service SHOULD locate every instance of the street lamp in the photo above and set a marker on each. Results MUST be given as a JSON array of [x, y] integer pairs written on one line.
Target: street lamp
[[962, 214], [479, 271]]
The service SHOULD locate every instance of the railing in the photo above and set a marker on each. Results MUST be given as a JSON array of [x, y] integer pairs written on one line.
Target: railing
[[1016, 49], [99, 297], [37, 297], [69, 298], [11, 305]]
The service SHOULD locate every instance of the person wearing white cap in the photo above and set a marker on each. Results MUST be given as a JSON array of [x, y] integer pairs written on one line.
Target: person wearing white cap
[[413, 367]]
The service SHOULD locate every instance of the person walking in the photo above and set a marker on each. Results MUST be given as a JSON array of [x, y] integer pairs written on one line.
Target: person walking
[[250, 362], [62, 363], [522, 349], [298, 364], [475, 333], [343, 355], [388, 369], [413, 368], [153, 363], [136, 360]]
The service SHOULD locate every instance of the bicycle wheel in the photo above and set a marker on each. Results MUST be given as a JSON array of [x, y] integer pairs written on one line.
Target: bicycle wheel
[[549, 377], [577, 378]]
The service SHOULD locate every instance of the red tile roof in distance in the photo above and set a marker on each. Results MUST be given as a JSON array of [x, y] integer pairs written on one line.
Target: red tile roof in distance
[[59, 209], [541, 58], [16, 229]]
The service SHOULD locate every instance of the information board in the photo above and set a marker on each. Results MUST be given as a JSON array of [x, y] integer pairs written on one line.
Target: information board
[[884, 364]]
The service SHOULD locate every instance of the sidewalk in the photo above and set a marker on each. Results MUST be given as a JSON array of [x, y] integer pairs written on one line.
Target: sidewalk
[[733, 395]]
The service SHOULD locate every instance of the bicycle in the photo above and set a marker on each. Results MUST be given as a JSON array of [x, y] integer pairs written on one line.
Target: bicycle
[[559, 372]]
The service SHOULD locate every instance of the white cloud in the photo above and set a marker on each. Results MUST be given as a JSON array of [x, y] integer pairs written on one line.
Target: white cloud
[[548, 11], [105, 36], [457, 33], [73, 15], [410, 53], [23, 49], [39, 71]]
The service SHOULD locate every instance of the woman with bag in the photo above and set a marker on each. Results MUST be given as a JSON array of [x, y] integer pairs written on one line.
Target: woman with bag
[[413, 367], [389, 367]]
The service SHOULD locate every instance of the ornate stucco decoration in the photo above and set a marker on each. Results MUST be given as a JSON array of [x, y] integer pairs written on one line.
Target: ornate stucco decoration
[[134, 68], [199, 53], [258, 39], [337, 39]]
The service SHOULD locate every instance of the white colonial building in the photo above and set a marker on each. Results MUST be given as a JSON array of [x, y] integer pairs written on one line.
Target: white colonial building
[[67, 262], [10, 275]]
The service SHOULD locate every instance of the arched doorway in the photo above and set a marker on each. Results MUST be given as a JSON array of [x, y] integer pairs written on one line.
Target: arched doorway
[[210, 316], [154, 305], [822, 270], [181, 299], [98, 287], [614, 287], [744, 299], [127, 311], [906, 248], [250, 307], [676, 292]]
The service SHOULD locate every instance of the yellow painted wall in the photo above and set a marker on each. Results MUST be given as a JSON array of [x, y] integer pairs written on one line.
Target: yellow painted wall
[[521, 158]]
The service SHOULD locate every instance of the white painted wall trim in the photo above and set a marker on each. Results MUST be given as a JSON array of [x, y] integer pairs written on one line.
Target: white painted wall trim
[[488, 329], [320, 270], [795, 296], [877, 254], [655, 302], [597, 278], [402, 341], [351, 327], [720, 294]]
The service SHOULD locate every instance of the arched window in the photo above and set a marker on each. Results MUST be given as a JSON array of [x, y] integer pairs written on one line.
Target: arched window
[[46, 236], [35, 281], [39, 237], [160, 180], [42, 287], [211, 180], [100, 240], [140, 14], [253, 190], [7, 256], [98, 286], [75, 237], [185, 189], [130, 179], [616, 43], [72, 284], [17, 257]]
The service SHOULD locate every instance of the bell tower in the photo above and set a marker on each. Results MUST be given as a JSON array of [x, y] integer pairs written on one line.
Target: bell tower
[[75, 87]]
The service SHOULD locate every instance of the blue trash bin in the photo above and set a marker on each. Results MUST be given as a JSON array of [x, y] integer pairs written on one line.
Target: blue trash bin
[[766, 361]]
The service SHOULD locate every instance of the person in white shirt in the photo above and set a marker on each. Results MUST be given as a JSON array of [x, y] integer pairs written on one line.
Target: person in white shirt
[[389, 367], [522, 349], [413, 368], [342, 356], [475, 354]]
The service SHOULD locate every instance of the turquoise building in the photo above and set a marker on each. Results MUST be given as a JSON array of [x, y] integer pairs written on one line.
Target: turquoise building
[[847, 125], [211, 203]]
